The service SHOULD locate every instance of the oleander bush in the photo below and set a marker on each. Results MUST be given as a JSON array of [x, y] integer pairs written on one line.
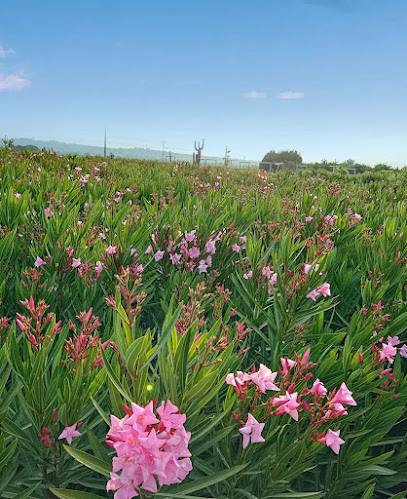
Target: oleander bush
[[195, 332]]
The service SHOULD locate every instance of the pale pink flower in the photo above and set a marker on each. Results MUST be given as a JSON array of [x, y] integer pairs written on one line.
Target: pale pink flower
[[149, 250], [272, 282], [309, 266], [266, 271], [237, 380], [308, 220], [287, 404], [98, 267], [249, 275], [190, 236], [194, 252], [333, 440], [264, 379], [318, 388], [343, 396], [76, 262], [325, 290], [313, 295], [236, 248], [39, 262], [159, 256], [175, 258], [111, 250], [388, 352], [210, 247], [403, 351], [48, 212], [357, 217], [393, 341], [287, 364], [69, 433], [202, 267], [251, 431]]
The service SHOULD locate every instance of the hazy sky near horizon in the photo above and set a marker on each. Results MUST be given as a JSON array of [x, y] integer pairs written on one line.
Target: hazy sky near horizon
[[325, 77]]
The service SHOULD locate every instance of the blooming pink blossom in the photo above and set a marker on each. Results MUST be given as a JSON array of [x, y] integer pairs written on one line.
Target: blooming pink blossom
[[318, 388], [48, 212], [325, 290], [237, 380], [264, 379], [210, 247], [309, 266], [388, 352], [98, 267], [159, 256], [393, 340], [190, 236], [39, 262], [357, 217], [149, 249], [272, 282], [194, 252], [69, 433], [76, 262], [333, 440], [266, 271], [111, 250], [202, 267], [287, 404], [251, 431], [175, 258], [308, 220], [313, 295], [235, 248], [343, 396], [287, 364], [249, 275], [403, 351]]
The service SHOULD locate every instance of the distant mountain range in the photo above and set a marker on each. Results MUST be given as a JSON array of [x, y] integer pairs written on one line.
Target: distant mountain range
[[135, 152]]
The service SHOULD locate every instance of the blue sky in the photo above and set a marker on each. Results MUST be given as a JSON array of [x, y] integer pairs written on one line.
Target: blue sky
[[325, 77]]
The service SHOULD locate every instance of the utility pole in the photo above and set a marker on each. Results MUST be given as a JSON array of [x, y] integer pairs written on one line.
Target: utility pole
[[163, 157], [226, 158], [104, 149]]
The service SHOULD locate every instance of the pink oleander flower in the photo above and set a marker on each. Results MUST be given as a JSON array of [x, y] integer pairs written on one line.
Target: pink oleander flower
[[149, 250], [69, 433], [388, 352], [403, 351], [264, 379], [39, 262], [318, 388], [175, 258], [48, 212], [333, 440], [251, 431], [158, 256], [308, 220], [266, 271], [393, 340], [287, 364], [313, 295], [194, 252], [190, 236], [325, 289], [272, 282], [249, 275], [237, 380], [210, 247], [152, 450], [111, 250], [287, 404], [235, 248], [202, 267], [343, 396], [357, 217], [98, 267], [309, 266], [76, 262]]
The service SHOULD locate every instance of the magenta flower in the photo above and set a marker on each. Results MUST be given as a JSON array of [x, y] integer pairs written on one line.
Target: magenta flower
[[39, 262], [343, 396], [159, 256], [236, 248], [111, 250], [69, 433], [388, 352], [333, 441], [76, 262], [264, 379], [287, 404], [318, 388], [251, 431]]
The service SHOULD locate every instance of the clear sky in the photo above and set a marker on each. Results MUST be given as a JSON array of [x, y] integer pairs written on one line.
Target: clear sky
[[325, 77]]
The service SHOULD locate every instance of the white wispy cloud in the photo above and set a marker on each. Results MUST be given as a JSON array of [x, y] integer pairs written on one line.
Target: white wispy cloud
[[13, 82], [5, 52], [255, 95], [291, 95]]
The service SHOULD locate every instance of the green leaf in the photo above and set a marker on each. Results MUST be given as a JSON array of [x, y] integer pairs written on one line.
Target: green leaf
[[74, 494], [92, 462]]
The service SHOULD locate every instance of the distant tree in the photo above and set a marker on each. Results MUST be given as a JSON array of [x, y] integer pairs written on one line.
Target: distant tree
[[28, 147], [7, 142], [291, 159], [381, 166]]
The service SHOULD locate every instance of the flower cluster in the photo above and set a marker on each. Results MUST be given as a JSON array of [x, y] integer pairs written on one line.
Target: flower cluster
[[322, 407], [150, 447]]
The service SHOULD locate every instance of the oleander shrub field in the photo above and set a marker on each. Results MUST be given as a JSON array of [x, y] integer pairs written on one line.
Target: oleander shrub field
[[175, 331]]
